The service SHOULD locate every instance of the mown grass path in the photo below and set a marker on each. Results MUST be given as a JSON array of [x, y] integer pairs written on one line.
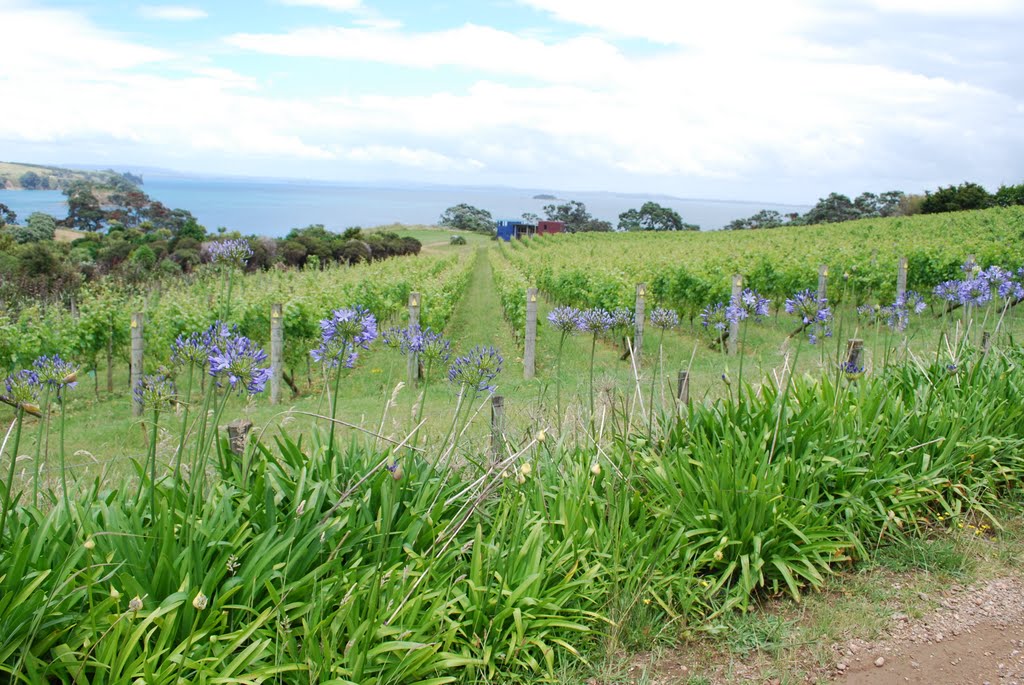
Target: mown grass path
[[478, 319]]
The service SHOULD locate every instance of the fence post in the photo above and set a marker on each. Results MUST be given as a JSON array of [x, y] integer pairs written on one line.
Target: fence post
[[901, 279], [822, 282], [854, 349], [986, 341], [137, 348], [497, 426], [413, 369], [683, 389], [638, 323], [530, 344], [276, 352], [734, 326]]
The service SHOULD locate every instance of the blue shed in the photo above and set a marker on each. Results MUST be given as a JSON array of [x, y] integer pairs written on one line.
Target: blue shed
[[507, 229]]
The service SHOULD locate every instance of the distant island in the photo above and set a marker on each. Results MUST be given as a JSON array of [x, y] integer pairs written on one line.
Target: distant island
[[15, 176], [544, 196]]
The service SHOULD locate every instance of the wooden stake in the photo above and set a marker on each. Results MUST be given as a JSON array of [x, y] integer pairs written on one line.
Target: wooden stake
[[413, 366], [530, 344], [138, 345], [497, 426], [734, 326], [683, 389], [822, 282], [901, 279], [276, 351], [638, 323]]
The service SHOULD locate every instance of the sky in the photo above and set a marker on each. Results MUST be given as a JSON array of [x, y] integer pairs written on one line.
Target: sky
[[781, 100]]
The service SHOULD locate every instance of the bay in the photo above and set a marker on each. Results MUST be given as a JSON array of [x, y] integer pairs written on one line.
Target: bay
[[273, 207]]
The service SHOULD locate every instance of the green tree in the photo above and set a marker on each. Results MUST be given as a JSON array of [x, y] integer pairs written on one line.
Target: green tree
[[38, 226], [1006, 196], [30, 180], [84, 211], [466, 217], [573, 214], [956, 198], [832, 209], [7, 215], [766, 218], [653, 217]]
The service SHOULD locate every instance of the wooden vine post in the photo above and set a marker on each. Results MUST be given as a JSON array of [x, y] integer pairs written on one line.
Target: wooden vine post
[[276, 351], [822, 282], [138, 345], [497, 426], [901, 280], [413, 367], [530, 343], [734, 325], [638, 323], [854, 352], [683, 388]]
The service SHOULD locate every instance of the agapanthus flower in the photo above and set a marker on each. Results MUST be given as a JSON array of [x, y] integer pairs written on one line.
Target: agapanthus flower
[[154, 391], [664, 318], [975, 291], [429, 345], [343, 333], [948, 291], [595, 320], [851, 370], [622, 318], [189, 349], [869, 312], [912, 302], [23, 387], [241, 363], [394, 337], [713, 316], [236, 251], [55, 372], [969, 267], [1003, 282], [748, 304], [565, 319], [477, 370], [813, 312]]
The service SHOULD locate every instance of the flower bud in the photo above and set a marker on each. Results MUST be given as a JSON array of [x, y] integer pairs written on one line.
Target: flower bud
[[135, 604], [200, 601]]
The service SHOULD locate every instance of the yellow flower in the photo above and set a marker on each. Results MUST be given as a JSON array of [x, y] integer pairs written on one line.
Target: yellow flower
[[89, 543], [526, 469], [541, 435]]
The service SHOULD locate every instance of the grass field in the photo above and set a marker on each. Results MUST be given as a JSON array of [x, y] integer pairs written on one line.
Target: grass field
[[589, 545]]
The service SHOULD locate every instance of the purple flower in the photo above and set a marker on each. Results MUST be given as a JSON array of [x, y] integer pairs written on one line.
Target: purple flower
[[240, 362], [622, 319], [814, 313], [565, 319], [948, 291], [154, 391], [477, 370], [664, 318], [713, 316], [975, 291], [748, 304], [430, 346], [595, 320], [235, 252], [851, 370], [23, 387], [340, 335], [55, 372], [912, 302], [868, 311]]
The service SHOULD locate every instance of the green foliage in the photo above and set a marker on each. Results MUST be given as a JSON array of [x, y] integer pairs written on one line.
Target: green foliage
[[956, 198], [766, 218], [465, 217], [37, 227], [576, 218], [1009, 195], [7, 215], [653, 217]]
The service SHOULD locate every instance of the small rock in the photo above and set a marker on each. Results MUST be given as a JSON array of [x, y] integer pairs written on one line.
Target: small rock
[[914, 664], [880, 661], [841, 666], [900, 617]]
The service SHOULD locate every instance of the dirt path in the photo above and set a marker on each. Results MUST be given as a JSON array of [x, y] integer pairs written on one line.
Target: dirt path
[[976, 636]]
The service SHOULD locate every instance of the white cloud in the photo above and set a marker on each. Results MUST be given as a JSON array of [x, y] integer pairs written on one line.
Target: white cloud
[[333, 5], [948, 7], [172, 12], [745, 103]]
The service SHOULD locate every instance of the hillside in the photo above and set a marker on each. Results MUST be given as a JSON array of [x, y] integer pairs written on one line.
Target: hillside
[[13, 177]]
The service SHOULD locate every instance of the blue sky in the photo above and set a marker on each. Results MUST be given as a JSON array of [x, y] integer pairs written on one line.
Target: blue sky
[[737, 99]]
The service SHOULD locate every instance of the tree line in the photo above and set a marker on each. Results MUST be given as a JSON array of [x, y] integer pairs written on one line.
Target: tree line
[[838, 207], [649, 217], [127, 235]]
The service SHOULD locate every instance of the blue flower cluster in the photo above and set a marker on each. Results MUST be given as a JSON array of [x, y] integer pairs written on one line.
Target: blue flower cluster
[[23, 387], [154, 391], [748, 304], [343, 334], [195, 348], [238, 360], [664, 318], [981, 286], [236, 252], [713, 316], [813, 312], [477, 370], [56, 372], [430, 346], [566, 319], [595, 320]]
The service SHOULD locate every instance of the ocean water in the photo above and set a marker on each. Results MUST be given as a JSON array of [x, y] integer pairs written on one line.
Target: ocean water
[[274, 207]]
